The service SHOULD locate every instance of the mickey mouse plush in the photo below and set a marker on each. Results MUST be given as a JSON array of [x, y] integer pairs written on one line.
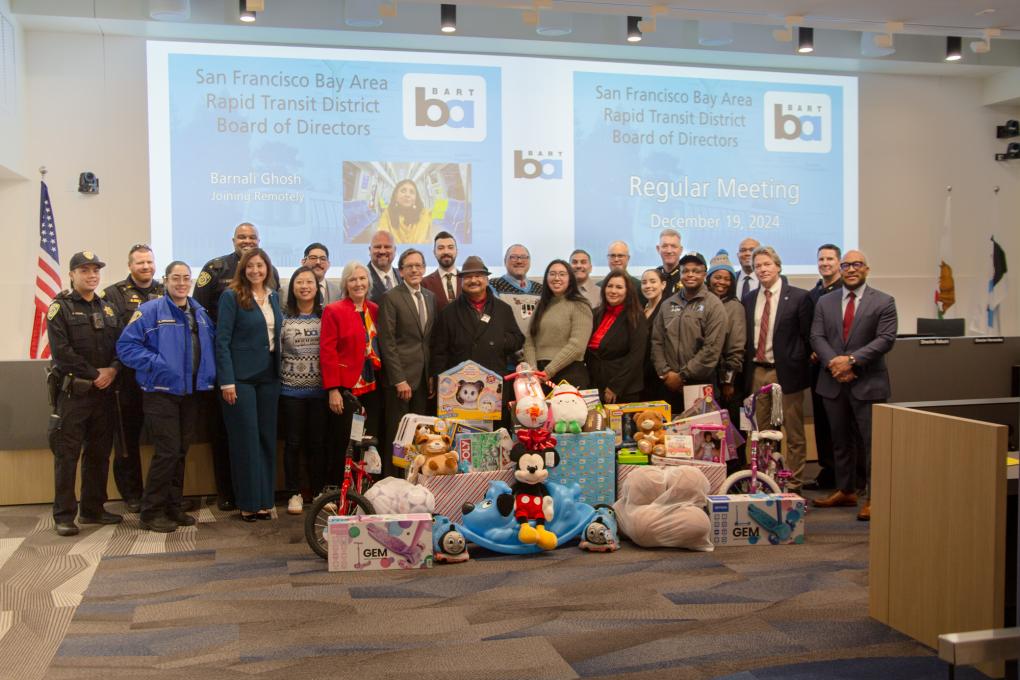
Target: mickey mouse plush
[[530, 500]]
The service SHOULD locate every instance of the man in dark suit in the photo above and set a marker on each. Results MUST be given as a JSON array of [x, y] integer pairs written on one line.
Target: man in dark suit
[[443, 282], [852, 330], [380, 268], [407, 315], [778, 350]]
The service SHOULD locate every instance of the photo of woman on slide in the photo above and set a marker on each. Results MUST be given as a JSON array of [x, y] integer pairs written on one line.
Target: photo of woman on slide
[[406, 216]]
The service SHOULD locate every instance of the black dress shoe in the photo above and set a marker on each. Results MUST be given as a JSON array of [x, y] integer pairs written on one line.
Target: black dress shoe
[[248, 518], [181, 519], [67, 529], [133, 504], [188, 505], [263, 515], [163, 525], [226, 505], [103, 518]]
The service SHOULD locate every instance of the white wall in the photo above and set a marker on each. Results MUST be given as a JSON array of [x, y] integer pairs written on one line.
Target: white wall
[[86, 111]]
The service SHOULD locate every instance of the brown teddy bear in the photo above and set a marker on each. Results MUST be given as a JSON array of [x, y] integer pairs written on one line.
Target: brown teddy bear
[[649, 436], [434, 455]]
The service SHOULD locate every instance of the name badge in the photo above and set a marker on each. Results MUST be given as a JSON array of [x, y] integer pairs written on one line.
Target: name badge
[[485, 318]]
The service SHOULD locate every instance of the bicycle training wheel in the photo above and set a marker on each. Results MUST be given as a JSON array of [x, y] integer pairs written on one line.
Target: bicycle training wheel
[[740, 482], [326, 506]]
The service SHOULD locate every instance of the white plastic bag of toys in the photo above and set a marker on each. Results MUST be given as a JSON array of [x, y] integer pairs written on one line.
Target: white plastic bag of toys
[[664, 507], [393, 496]]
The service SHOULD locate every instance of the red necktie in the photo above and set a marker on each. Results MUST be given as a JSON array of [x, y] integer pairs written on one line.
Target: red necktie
[[848, 316], [763, 327]]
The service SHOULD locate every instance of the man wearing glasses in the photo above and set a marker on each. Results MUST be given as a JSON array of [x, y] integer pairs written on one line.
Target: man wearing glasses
[[852, 330], [517, 261], [125, 296], [406, 317], [618, 258], [317, 259]]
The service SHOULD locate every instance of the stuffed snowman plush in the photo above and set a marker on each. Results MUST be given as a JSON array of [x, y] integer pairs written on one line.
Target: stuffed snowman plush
[[568, 408]]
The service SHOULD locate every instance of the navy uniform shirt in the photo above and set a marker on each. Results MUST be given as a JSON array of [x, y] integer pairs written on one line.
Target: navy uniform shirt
[[82, 334]]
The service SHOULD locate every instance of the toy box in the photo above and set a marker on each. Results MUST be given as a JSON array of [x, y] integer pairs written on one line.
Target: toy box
[[721, 447], [483, 451], [376, 542], [453, 491], [403, 443], [758, 519], [631, 457], [621, 418], [589, 459], [470, 391], [714, 472]]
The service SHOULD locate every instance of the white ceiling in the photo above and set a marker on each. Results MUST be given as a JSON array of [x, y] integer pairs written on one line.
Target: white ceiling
[[598, 29]]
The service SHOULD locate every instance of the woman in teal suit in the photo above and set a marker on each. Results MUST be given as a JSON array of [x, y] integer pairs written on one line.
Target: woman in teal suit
[[247, 365]]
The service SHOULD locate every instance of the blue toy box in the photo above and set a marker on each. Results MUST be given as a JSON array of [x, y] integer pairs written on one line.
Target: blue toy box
[[589, 460], [756, 519]]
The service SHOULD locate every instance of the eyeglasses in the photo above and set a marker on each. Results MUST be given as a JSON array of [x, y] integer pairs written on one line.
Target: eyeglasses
[[847, 266], [617, 256], [518, 258], [558, 275], [317, 258], [139, 246]]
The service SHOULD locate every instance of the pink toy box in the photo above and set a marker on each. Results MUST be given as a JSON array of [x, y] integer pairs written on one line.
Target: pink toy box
[[380, 542]]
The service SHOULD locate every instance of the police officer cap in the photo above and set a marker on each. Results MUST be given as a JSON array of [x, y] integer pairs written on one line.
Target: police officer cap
[[86, 257], [697, 258]]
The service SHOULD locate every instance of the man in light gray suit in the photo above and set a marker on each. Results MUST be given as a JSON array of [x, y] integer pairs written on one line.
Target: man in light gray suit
[[317, 259], [407, 315], [852, 330]]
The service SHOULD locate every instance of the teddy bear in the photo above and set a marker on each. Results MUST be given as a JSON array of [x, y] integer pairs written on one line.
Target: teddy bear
[[650, 437], [434, 455]]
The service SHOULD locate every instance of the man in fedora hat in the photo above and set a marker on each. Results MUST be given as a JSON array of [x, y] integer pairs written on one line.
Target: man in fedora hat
[[477, 325]]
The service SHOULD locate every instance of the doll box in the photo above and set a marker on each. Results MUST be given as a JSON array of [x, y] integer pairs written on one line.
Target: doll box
[[453, 491], [470, 391], [757, 519], [380, 542], [621, 417], [589, 459]]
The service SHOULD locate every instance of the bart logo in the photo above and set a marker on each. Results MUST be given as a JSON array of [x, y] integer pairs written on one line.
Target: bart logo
[[444, 107], [800, 122], [538, 164]]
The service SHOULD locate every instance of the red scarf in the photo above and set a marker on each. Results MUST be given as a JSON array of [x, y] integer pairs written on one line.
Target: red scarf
[[608, 318]]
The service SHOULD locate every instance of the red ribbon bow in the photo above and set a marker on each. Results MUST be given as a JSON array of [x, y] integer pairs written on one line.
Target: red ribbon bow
[[538, 439]]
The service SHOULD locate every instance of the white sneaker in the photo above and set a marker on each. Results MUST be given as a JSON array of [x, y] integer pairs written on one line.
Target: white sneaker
[[294, 505]]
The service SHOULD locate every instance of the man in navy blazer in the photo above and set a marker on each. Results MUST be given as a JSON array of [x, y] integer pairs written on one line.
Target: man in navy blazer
[[385, 277], [778, 350], [406, 317], [852, 330]]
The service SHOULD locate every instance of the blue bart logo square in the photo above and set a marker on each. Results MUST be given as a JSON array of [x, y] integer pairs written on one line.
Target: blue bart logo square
[[798, 122]]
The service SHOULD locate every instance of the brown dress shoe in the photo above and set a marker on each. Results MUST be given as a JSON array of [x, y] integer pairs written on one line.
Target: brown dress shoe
[[865, 514], [837, 499]]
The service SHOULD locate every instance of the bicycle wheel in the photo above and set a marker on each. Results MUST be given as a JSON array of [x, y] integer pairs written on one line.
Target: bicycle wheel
[[740, 482], [326, 506]]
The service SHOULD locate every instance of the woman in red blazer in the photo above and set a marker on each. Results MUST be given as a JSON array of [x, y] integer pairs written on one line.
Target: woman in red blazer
[[349, 355]]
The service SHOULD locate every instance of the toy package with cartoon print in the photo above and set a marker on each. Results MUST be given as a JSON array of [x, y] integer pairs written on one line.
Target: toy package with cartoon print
[[379, 542], [470, 391]]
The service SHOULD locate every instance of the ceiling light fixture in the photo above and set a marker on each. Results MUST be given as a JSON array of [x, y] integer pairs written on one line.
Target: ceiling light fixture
[[954, 44], [248, 8], [633, 32], [786, 34], [805, 40], [555, 24], [715, 33], [448, 18]]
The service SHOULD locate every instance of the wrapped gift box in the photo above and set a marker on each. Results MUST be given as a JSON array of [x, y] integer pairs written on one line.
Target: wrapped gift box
[[589, 459], [756, 519], [621, 417], [470, 391], [452, 491], [484, 451], [715, 472], [378, 542]]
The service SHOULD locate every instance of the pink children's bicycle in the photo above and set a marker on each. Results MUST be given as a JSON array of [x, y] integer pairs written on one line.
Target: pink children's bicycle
[[767, 471]]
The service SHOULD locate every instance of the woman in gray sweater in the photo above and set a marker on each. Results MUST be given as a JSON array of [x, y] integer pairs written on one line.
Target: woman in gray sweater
[[560, 328]]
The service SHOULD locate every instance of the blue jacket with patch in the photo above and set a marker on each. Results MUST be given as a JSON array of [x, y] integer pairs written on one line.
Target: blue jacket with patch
[[157, 344]]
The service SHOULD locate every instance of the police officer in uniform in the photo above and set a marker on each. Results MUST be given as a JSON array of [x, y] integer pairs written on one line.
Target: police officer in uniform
[[125, 296], [82, 329], [212, 281]]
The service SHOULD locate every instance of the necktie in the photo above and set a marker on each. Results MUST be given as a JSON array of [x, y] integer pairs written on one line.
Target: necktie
[[449, 287], [763, 328], [322, 292], [386, 281], [747, 286], [421, 309], [848, 316]]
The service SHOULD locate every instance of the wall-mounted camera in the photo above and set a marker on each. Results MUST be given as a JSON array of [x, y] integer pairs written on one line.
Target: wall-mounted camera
[[88, 183]]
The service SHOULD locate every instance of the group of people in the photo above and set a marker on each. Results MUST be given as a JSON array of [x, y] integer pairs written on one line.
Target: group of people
[[238, 353]]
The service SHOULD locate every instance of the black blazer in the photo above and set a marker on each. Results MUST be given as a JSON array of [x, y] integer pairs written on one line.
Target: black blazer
[[378, 287], [618, 363], [791, 338], [460, 334]]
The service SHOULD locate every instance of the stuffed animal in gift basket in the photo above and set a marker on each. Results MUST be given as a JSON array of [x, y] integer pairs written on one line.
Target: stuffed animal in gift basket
[[529, 499], [434, 455], [650, 436], [568, 409]]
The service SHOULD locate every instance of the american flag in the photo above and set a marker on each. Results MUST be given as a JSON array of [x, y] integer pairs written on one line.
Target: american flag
[[47, 279]]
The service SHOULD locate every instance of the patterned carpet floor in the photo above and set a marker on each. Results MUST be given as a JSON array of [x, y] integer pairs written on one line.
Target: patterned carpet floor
[[227, 599]]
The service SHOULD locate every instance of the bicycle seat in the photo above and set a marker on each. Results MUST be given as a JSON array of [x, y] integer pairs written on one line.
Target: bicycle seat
[[771, 435]]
